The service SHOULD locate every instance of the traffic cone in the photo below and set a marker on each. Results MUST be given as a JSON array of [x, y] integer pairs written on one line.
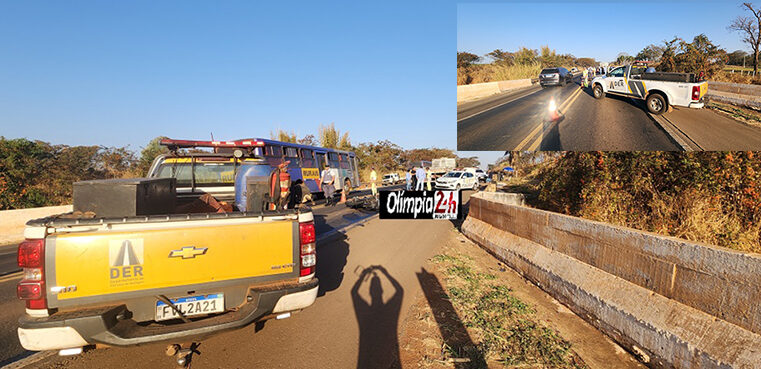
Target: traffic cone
[[343, 196], [554, 113]]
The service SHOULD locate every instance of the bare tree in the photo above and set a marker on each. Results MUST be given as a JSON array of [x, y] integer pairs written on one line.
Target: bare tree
[[750, 29]]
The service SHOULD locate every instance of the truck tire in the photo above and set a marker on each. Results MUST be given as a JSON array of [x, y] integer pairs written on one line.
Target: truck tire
[[598, 92], [656, 104]]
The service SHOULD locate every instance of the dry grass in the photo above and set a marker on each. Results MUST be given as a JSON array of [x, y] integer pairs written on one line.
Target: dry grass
[[737, 78], [481, 73], [505, 329], [689, 215]]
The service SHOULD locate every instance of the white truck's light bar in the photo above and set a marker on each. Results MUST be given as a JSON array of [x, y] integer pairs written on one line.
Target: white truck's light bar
[[194, 143]]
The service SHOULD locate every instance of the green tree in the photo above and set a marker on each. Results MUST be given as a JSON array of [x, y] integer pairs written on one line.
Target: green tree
[[624, 58], [149, 153], [737, 57], [501, 57], [548, 57], [21, 165], [331, 138], [344, 143], [468, 162], [525, 56], [586, 62], [281, 135], [465, 59], [701, 55], [650, 53]]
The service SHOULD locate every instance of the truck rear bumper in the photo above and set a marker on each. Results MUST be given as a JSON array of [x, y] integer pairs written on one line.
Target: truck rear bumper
[[112, 325], [696, 105]]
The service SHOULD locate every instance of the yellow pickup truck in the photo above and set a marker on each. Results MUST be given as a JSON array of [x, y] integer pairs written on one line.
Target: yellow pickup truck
[[162, 278]]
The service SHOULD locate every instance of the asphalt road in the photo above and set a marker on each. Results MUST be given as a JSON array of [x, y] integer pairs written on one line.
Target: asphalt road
[[520, 120], [344, 327], [332, 255]]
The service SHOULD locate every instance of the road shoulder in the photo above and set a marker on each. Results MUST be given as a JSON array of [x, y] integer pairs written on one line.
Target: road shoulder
[[561, 339]]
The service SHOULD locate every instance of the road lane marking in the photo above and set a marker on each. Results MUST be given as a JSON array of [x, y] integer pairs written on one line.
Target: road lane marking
[[530, 135], [29, 359], [533, 135], [11, 277], [497, 106]]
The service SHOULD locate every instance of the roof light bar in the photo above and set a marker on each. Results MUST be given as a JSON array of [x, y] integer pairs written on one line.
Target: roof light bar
[[178, 144]]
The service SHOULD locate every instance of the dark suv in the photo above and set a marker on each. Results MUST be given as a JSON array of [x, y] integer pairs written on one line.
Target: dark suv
[[555, 76]]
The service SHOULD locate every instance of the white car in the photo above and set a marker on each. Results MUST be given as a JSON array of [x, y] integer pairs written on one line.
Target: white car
[[390, 179], [456, 180]]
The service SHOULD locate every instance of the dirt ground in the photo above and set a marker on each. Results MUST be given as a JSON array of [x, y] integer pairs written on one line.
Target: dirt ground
[[475, 312]]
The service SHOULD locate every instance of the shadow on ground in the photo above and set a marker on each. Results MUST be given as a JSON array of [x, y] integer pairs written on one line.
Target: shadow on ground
[[456, 337], [378, 318]]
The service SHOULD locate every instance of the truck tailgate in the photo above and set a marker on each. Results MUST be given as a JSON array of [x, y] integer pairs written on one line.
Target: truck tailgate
[[109, 264]]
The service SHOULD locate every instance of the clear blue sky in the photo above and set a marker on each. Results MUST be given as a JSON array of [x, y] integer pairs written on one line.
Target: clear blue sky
[[594, 29], [119, 73]]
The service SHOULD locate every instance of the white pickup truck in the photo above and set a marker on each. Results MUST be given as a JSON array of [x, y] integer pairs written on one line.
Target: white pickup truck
[[659, 90]]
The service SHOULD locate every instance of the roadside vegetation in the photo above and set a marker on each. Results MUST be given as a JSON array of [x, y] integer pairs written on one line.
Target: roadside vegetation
[[37, 173], [504, 329], [711, 197], [521, 64]]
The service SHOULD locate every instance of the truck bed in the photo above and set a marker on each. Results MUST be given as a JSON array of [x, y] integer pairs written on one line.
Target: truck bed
[[669, 77]]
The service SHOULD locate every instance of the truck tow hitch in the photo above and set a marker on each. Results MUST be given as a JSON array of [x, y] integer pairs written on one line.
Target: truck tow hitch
[[183, 356]]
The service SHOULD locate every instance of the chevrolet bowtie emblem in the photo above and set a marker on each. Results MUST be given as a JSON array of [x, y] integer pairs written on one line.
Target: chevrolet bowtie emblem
[[187, 252]]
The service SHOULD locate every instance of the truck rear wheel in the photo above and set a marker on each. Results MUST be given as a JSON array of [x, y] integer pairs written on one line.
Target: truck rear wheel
[[598, 92], [656, 104]]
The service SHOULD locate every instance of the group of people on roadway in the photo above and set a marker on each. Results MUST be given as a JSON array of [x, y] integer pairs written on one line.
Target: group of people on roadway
[[418, 179]]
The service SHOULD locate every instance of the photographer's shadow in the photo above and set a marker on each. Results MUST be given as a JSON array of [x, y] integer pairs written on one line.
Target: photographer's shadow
[[378, 320]]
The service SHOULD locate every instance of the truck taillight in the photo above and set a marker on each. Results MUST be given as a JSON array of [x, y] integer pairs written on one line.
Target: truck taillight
[[31, 257], [308, 250], [30, 253], [696, 92]]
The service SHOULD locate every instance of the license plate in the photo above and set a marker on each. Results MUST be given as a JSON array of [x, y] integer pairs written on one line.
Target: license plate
[[190, 306]]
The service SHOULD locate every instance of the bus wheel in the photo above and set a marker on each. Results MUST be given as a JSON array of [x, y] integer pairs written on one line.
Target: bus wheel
[[347, 187]]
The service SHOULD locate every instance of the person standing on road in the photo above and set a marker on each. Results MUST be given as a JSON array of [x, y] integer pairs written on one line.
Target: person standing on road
[[428, 178], [326, 185], [420, 174], [584, 74], [373, 178], [409, 179]]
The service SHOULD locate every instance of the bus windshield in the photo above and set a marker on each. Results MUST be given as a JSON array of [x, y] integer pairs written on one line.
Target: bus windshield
[[206, 174]]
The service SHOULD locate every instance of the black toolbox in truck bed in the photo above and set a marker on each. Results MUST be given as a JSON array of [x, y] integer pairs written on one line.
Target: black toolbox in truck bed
[[126, 197]]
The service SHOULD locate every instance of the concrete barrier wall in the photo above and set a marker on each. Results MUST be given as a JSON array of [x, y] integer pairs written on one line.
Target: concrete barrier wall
[[735, 93], [12, 221], [737, 88], [478, 90], [709, 285]]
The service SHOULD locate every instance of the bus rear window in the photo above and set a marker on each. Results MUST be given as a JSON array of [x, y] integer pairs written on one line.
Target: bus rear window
[[206, 174]]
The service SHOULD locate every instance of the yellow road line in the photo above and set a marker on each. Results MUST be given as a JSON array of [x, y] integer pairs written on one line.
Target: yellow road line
[[530, 135], [535, 144], [11, 277]]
